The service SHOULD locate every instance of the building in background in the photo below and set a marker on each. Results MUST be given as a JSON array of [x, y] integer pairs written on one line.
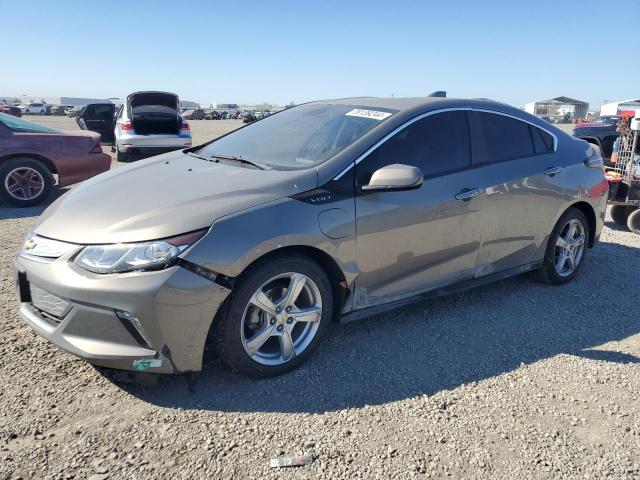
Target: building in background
[[614, 108], [558, 107], [188, 105], [71, 101]]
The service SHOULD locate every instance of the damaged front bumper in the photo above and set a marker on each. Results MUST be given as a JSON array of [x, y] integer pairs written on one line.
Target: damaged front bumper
[[155, 321]]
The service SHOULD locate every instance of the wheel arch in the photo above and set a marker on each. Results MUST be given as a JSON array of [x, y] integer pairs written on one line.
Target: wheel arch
[[590, 213], [325, 261], [41, 158]]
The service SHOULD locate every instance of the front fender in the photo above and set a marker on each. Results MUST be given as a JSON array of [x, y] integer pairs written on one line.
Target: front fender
[[236, 241]]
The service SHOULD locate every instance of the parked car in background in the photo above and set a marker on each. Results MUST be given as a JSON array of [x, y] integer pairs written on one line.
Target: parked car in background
[[249, 117], [211, 114], [197, 114], [31, 154], [601, 134], [148, 123], [59, 109], [11, 110], [34, 109], [74, 111], [261, 238]]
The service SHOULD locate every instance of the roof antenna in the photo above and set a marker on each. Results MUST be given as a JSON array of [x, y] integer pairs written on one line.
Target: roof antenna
[[438, 94]]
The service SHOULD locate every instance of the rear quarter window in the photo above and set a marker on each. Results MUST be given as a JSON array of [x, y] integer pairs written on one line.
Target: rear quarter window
[[542, 141]]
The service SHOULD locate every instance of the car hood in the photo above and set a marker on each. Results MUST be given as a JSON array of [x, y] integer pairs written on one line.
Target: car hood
[[163, 196]]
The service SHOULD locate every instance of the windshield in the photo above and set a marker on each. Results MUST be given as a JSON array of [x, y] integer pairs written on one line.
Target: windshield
[[18, 125], [299, 137]]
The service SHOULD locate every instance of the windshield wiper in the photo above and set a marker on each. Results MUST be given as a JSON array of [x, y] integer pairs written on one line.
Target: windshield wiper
[[261, 166], [191, 154]]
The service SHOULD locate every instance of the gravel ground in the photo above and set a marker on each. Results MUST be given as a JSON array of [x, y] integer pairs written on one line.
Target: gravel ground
[[512, 380]]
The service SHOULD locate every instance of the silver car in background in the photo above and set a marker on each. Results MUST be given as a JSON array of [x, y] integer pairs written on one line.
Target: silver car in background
[[150, 123], [330, 210]]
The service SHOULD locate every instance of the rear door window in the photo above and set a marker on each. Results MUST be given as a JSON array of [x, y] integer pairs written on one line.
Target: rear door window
[[498, 138], [99, 112], [437, 144]]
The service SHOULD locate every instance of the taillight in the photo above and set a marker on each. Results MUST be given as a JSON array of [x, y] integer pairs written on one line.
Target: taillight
[[96, 148], [185, 127], [127, 126]]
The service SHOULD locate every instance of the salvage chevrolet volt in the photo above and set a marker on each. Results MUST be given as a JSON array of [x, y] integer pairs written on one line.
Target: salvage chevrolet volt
[[332, 210]]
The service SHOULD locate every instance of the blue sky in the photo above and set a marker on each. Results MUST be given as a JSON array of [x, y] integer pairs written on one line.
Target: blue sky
[[282, 51]]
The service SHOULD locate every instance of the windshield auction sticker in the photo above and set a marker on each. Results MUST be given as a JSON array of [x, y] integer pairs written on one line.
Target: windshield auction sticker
[[372, 114]]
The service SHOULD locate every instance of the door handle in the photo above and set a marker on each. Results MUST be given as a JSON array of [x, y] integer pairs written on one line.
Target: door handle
[[468, 193], [551, 171]]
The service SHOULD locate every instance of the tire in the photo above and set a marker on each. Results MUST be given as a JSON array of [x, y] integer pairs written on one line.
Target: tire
[[241, 322], [27, 112], [633, 221], [38, 182], [549, 272], [121, 156], [620, 214]]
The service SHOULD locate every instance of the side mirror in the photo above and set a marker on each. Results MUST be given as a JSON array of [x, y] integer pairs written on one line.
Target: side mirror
[[395, 177]]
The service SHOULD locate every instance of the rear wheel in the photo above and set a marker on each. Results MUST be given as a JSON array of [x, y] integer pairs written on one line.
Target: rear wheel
[[24, 182], [276, 317], [566, 250], [633, 221], [620, 214], [121, 156]]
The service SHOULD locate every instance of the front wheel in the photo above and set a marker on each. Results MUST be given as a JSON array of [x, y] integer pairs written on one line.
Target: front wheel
[[566, 250], [276, 317]]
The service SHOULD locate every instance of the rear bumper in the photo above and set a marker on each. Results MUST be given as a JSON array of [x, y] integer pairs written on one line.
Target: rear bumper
[[173, 309], [149, 150], [600, 212], [149, 143]]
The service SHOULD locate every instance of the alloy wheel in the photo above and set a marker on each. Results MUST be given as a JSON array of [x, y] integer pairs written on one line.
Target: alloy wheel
[[24, 183], [281, 319], [569, 247]]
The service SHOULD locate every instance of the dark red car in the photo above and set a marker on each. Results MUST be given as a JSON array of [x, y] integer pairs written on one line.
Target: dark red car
[[197, 114], [10, 110], [30, 155]]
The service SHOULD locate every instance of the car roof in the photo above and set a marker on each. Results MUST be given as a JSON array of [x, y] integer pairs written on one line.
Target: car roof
[[413, 103]]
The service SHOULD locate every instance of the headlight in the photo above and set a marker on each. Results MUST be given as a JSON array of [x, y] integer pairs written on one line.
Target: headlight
[[125, 257]]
